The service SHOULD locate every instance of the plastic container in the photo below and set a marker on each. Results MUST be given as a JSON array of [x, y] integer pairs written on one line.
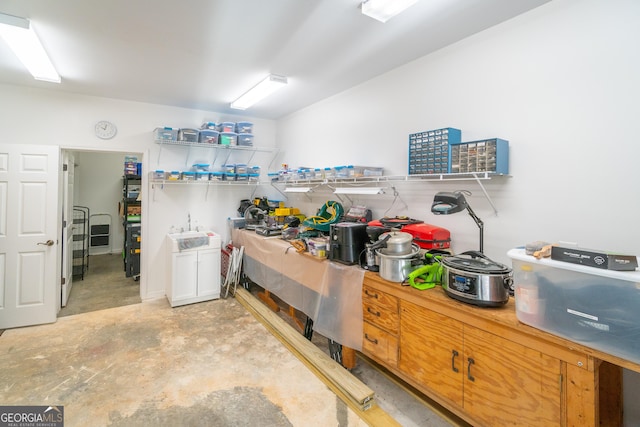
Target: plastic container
[[200, 167], [341, 172], [592, 306], [254, 177], [228, 138], [202, 176], [159, 174], [317, 173], [188, 135], [188, 176], [245, 139], [241, 168], [216, 176], [229, 168], [208, 136], [174, 176], [229, 176], [210, 126], [244, 127], [227, 127], [361, 171], [242, 177], [329, 173], [165, 134]]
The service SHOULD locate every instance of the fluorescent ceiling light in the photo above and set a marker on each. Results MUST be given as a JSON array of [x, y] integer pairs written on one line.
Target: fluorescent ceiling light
[[297, 189], [260, 91], [19, 35], [383, 10], [362, 190]]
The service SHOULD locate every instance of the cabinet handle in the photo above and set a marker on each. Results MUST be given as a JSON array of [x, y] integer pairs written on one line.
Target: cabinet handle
[[375, 313], [454, 354], [369, 294], [471, 362], [375, 340]]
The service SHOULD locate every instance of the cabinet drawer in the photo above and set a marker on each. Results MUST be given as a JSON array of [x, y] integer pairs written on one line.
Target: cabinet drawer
[[374, 296], [380, 344], [381, 316]]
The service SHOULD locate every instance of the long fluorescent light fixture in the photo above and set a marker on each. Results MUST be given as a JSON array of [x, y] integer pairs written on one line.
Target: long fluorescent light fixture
[[383, 10], [22, 39], [362, 190], [297, 189], [260, 91]]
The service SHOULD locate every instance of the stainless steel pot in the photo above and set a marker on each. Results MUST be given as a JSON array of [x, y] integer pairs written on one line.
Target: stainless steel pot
[[396, 268], [398, 243]]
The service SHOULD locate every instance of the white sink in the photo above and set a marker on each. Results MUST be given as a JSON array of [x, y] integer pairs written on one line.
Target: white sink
[[193, 240]]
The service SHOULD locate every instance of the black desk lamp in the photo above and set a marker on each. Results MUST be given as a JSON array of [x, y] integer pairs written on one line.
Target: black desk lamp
[[445, 203]]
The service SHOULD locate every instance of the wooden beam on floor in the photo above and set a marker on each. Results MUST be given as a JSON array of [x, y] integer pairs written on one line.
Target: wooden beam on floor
[[345, 385]]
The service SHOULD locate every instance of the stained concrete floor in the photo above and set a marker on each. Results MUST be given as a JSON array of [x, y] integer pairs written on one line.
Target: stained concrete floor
[[123, 363]]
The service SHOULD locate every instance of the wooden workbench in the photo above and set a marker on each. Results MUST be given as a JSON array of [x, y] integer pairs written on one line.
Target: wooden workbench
[[486, 366]]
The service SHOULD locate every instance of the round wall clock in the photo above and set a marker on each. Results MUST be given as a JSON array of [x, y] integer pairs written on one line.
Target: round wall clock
[[105, 129]]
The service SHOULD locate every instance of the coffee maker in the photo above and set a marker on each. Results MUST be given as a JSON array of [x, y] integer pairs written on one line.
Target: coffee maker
[[347, 240]]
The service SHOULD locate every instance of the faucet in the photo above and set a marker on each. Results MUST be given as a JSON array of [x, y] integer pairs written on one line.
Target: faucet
[[189, 220]]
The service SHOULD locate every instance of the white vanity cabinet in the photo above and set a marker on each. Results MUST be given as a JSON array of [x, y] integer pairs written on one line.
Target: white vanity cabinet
[[194, 267]]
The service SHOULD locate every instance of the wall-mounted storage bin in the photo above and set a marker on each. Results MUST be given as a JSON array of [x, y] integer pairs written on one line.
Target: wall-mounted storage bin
[[209, 136], [244, 127], [245, 139], [228, 138], [429, 150], [165, 134], [188, 135], [487, 155]]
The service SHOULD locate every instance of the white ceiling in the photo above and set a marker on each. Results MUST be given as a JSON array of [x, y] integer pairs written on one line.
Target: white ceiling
[[202, 54]]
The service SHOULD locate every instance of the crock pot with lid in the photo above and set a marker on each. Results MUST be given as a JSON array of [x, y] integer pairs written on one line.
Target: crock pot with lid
[[473, 278]]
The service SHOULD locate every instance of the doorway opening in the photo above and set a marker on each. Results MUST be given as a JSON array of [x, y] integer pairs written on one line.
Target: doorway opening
[[102, 211]]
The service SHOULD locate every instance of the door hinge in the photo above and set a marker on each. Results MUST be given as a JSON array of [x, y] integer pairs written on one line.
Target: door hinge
[[65, 167], [63, 280], [64, 224]]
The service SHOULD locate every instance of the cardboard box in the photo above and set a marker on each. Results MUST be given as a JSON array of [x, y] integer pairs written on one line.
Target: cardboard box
[[595, 258]]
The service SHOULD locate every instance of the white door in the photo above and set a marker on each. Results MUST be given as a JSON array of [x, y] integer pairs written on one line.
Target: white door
[[67, 225], [29, 218]]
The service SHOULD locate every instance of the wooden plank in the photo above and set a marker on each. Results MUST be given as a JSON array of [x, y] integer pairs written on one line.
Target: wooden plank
[[355, 393]]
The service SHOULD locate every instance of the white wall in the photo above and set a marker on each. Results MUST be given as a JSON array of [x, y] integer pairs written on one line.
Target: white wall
[[35, 116], [560, 83]]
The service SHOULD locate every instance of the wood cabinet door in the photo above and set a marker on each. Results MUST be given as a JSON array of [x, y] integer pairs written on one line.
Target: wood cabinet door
[[431, 350], [508, 384]]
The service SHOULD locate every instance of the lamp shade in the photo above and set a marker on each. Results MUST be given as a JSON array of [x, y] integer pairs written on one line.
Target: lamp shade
[[445, 203]]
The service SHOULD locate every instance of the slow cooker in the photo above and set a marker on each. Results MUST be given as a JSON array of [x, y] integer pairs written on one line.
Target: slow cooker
[[473, 278]]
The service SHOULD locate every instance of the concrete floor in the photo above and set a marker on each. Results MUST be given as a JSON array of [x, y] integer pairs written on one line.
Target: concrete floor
[[139, 364]]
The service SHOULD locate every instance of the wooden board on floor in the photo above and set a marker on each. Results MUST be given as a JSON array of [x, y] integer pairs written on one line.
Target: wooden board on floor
[[351, 390]]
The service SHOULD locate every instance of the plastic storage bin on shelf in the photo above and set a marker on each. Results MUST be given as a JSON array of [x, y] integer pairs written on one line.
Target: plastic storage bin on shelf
[[228, 138], [244, 127], [216, 176], [227, 127], [174, 176], [361, 171], [245, 139], [159, 174], [200, 167], [202, 176], [188, 176], [595, 307], [165, 134], [208, 136], [188, 135]]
